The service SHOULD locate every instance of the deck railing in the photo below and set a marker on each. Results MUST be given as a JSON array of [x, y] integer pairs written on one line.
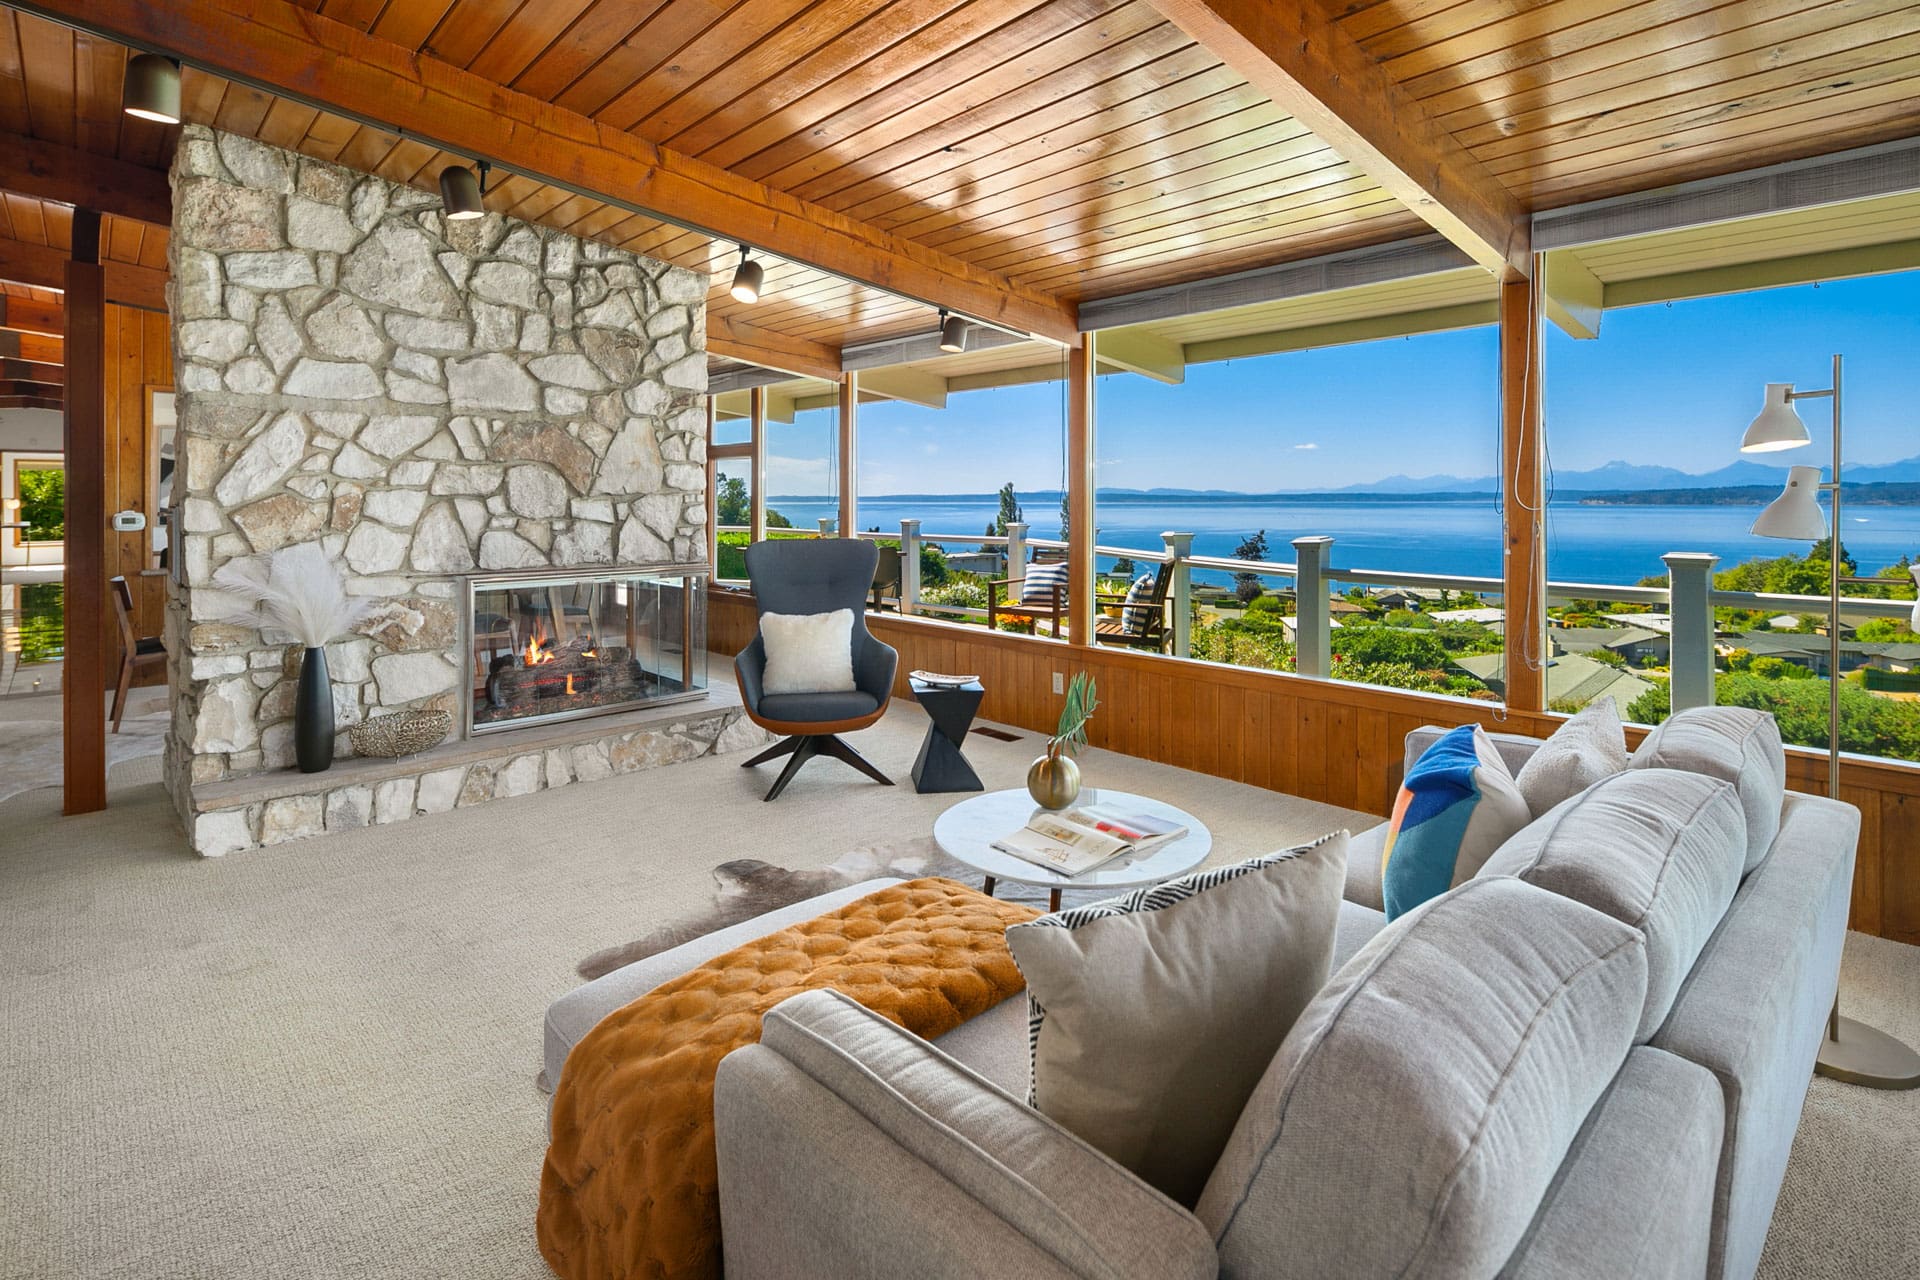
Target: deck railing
[[1689, 598]]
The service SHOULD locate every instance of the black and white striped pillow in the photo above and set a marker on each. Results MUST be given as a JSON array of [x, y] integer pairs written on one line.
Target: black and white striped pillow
[[1040, 582]]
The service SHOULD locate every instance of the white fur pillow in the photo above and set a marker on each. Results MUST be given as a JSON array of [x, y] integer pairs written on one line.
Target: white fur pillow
[[1586, 749], [808, 652]]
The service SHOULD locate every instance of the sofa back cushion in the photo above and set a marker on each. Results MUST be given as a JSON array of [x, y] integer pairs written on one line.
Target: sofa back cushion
[[1735, 745], [1657, 849], [1420, 1107]]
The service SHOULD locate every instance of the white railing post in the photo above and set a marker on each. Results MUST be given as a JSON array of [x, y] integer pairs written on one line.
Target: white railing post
[[1180, 591], [1690, 605], [909, 565], [1016, 551], [1313, 636], [826, 526]]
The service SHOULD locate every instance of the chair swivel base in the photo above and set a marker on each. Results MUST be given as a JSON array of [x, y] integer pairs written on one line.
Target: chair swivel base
[[802, 748]]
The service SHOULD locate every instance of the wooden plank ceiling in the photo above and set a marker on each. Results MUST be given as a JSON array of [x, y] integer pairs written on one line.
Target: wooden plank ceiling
[[1083, 148]]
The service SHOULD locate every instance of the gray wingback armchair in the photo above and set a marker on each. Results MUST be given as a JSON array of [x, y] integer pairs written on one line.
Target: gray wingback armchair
[[805, 576]]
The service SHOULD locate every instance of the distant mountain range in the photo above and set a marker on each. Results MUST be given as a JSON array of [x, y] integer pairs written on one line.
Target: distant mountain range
[[1620, 477], [1608, 482]]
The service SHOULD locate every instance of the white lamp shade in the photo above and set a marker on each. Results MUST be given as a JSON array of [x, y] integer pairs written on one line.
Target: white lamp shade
[[1778, 426], [953, 333], [1796, 513]]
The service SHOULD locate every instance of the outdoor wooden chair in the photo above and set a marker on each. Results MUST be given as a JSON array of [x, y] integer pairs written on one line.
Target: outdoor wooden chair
[[1051, 605], [1141, 625], [137, 653], [886, 576]]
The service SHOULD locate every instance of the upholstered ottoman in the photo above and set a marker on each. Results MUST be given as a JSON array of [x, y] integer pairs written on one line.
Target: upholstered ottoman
[[994, 1044]]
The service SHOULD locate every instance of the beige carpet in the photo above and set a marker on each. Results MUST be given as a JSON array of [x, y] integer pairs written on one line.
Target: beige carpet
[[318, 1060]]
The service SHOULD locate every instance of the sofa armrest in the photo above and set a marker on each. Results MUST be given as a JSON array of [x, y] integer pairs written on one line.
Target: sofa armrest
[[850, 1148], [1754, 1011]]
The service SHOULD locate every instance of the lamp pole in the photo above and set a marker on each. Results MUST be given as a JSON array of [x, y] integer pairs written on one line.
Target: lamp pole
[[1852, 1051], [1831, 487]]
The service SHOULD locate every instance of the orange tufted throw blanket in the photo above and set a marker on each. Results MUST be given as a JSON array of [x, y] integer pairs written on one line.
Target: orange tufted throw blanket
[[630, 1186]]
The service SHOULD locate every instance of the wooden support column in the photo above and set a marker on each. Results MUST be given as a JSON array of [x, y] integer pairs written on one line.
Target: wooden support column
[[849, 453], [84, 669], [757, 465], [1080, 559], [1523, 490]]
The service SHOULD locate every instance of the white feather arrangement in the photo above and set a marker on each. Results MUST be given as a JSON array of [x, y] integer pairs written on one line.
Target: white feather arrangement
[[296, 589]]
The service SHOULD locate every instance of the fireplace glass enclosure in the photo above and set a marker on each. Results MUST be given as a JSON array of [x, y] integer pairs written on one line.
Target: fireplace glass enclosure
[[546, 646]]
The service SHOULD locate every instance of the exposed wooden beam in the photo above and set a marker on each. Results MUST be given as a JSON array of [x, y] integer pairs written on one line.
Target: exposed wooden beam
[[1296, 55], [52, 375], [738, 340], [24, 315], [49, 171], [44, 267], [37, 347], [1144, 353], [915, 386], [84, 668], [286, 50], [1571, 295], [1523, 497]]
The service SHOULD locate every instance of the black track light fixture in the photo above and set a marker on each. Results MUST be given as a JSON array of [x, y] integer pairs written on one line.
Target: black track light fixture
[[953, 331], [151, 89], [747, 278], [463, 192]]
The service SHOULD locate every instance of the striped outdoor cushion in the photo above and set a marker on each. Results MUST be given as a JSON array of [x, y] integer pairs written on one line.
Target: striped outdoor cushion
[[1040, 582], [1137, 612]]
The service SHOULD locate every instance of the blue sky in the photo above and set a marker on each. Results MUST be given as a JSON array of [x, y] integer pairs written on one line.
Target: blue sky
[[1669, 384]]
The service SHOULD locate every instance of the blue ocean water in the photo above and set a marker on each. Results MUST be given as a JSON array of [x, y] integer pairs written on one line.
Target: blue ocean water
[[1601, 544]]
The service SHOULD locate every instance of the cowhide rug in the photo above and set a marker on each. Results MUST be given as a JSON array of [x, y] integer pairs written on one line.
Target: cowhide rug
[[748, 887]]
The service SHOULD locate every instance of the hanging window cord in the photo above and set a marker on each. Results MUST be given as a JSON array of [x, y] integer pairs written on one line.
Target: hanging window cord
[[1531, 656]]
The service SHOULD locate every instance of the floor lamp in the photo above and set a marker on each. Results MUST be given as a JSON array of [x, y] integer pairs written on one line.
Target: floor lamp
[[1851, 1051]]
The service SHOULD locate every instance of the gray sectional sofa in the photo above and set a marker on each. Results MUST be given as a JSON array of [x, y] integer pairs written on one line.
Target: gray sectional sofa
[[1589, 1060]]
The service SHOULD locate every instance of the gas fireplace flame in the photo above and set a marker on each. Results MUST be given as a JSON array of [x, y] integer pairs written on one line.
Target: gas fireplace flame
[[569, 685], [537, 650]]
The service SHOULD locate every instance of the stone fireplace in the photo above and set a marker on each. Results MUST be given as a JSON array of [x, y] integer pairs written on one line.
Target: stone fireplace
[[548, 647], [433, 402]]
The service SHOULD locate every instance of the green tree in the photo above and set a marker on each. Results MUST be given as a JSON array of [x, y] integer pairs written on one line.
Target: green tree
[[730, 501], [1375, 646], [1247, 586], [1124, 567], [43, 503], [1010, 513]]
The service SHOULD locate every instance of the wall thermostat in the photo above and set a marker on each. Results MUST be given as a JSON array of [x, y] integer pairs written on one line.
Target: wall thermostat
[[128, 522]]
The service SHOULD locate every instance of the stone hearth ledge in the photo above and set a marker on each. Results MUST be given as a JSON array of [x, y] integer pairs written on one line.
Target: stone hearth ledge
[[264, 809]]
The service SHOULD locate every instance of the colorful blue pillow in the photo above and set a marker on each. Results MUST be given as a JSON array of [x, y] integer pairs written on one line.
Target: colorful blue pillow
[[1457, 805]]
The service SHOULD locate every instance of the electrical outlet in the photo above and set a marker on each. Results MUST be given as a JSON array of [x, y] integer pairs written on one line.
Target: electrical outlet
[[1059, 682]]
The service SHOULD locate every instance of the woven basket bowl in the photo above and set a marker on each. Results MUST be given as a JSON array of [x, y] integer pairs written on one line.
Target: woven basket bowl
[[402, 734]]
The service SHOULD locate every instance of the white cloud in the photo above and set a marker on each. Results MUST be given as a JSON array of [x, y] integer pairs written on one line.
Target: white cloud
[[1309, 445]]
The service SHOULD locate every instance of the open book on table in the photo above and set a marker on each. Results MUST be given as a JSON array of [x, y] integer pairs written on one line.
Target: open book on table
[[1080, 839]]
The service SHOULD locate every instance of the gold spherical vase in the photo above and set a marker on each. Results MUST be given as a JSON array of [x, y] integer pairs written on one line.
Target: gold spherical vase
[[1054, 781]]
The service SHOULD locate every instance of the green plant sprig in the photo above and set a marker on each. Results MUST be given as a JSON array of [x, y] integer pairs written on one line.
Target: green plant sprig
[[1074, 715]]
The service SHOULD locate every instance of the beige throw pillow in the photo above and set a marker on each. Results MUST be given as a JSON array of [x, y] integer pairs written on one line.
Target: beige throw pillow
[[1587, 749], [1153, 1016], [808, 652]]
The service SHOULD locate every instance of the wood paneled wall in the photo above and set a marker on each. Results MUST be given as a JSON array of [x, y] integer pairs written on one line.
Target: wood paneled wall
[[1339, 743], [139, 355]]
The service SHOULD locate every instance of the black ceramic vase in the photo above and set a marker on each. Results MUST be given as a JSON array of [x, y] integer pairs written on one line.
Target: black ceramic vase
[[313, 714]]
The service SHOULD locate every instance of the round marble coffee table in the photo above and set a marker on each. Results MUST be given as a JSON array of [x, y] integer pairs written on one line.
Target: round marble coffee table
[[966, 833]]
